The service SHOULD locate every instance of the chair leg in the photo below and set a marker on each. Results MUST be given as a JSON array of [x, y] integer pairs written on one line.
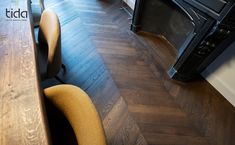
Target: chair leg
[[63, 67], [36, 25], [59, 79]]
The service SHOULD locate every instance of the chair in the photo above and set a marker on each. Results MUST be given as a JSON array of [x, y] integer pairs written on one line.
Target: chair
[[49, 39], [79, 110], [37, 7]]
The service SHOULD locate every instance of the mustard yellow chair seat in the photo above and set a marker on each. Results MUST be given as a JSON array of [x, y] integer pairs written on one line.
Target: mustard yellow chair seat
[[79, 110]]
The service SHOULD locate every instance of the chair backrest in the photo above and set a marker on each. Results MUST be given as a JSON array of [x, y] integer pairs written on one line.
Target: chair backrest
[[50, 36], [79, 110]]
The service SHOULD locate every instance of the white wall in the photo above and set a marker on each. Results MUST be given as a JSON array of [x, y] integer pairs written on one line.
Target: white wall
[[130, 3], [221, 74]]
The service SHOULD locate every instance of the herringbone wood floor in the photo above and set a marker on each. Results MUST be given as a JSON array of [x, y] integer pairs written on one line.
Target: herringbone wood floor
[[86, 69], [127, 90]]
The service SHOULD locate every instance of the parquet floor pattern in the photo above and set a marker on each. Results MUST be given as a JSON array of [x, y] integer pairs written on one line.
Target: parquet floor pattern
[[86, 69], [135, 106]]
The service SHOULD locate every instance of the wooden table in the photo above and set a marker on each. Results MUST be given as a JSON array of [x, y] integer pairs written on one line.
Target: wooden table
[[22, 118]]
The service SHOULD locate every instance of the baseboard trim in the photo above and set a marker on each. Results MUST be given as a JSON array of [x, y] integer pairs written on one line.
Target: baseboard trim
[[220, 86], [130, 3]]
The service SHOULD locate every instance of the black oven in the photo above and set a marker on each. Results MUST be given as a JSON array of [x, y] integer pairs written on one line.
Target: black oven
[[202, 30]]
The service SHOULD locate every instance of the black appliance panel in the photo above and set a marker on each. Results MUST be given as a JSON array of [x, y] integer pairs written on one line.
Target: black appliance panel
[[211, 7], [213, 24], [215, 5]]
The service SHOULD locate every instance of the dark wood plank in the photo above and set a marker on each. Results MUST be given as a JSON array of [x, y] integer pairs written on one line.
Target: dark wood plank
[[209, 111], [128, 58]]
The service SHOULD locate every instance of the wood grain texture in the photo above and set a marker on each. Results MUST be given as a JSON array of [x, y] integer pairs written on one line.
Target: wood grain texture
[[160, 119], [209, 111], [22, 119]]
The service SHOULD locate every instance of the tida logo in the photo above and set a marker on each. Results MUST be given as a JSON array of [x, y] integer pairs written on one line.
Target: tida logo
[[17, 14]]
